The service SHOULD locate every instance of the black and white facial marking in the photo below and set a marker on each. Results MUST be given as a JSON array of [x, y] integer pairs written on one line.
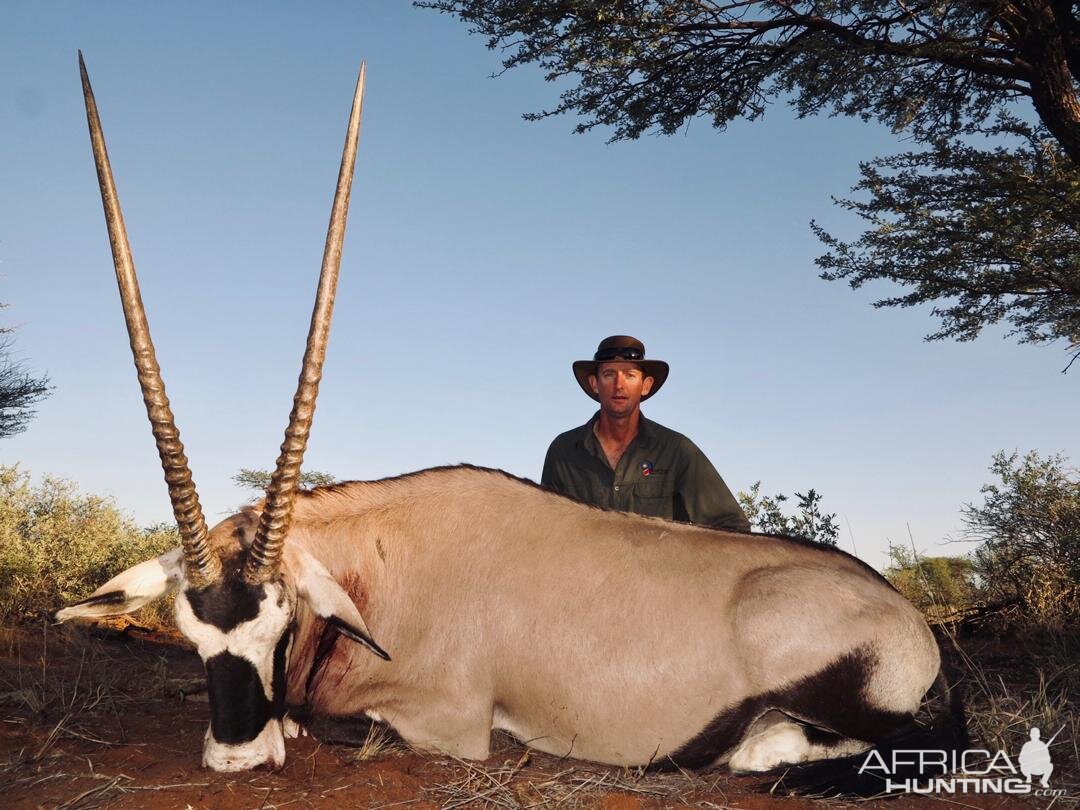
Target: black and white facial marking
[[243, 634]]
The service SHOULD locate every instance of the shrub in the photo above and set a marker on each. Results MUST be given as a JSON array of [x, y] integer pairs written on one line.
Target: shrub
[[942, 588], [1029, 525], [808, 522], [58, 545]]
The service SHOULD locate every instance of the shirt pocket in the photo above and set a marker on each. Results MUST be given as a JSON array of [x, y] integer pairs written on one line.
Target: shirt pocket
[[654, 488]]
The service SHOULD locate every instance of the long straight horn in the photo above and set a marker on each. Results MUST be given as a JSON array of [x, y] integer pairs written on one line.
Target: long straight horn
[[265, 554], [203, 565]]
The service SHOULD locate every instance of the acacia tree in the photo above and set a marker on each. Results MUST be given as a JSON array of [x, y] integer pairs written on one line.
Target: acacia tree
[[260, 479], [989, 235], [940, 72], [19, 390]]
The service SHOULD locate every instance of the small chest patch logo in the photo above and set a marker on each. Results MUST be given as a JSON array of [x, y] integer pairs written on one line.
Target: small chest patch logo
[[646, 468]]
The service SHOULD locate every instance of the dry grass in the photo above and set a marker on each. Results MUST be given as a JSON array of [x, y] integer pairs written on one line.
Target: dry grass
[[520, 784], [71, 691], [380, 742], [1013, 685], [81, 694]]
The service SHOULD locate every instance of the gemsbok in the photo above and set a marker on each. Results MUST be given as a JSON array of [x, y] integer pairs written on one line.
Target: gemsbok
[[453, 601]]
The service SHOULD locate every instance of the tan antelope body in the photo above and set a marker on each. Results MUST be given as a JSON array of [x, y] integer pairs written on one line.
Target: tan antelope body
[[497, 604], [599, 634]]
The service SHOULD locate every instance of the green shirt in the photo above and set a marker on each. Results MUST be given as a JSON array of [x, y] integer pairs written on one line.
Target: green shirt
[[662, 473]]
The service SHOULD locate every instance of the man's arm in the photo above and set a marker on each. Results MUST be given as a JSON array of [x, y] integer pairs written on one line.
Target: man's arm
[[550, 476], [707, 499]]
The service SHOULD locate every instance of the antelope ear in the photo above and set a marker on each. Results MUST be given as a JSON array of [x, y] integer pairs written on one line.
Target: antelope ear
[[328, 599], [131, 589]]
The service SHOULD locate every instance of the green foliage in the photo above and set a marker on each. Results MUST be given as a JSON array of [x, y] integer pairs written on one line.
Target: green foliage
[[991, 232], [1029, 525], [941, 587], [19, 391], [1026, 571], [985, 234], [808, 522], [58, 545], [641, 65], [260, 479]]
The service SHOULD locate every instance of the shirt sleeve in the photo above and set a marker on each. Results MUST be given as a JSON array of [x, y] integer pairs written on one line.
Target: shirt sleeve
[[707, 499], [550, 476]]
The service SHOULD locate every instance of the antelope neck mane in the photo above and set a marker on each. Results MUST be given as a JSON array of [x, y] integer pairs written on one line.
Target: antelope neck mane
[[345, 499]]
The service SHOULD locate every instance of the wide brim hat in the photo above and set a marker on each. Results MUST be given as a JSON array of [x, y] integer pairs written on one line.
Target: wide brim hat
[[620, 349]]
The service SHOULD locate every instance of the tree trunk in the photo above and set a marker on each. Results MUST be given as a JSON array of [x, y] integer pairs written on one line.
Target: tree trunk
[[1053, 87]]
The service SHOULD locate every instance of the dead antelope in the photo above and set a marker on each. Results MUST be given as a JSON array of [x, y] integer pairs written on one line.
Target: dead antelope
[[499, 605]]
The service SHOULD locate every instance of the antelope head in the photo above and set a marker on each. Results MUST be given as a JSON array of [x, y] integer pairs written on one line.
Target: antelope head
[[238, 611]]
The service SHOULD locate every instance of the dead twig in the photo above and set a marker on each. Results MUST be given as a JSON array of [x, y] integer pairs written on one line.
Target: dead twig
[[174, 786], [108, 786]]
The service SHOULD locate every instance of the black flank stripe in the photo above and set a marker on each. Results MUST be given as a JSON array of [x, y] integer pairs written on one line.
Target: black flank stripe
[[721, 735], [829, 702]]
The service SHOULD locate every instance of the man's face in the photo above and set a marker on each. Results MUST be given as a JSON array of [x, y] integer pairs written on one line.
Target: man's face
[[620, 387]]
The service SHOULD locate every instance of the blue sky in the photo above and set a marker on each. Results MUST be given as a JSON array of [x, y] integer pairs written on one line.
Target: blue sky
[[484, 254]]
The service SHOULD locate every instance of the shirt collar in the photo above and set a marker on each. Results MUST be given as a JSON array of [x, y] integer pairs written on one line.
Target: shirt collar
[[587, 438], [646, 431], [645, 436]]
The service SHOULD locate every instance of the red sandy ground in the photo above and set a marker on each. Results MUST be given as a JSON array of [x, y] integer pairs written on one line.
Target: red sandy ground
[[105, 719]]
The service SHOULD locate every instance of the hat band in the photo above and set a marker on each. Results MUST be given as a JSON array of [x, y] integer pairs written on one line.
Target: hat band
[[618, 353]]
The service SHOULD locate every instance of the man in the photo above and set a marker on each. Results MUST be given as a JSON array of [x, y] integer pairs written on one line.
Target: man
[[621, 460]]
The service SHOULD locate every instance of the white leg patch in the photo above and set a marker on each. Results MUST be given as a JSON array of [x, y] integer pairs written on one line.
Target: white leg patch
[[781, 744], [291, 729], [785, 744]]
